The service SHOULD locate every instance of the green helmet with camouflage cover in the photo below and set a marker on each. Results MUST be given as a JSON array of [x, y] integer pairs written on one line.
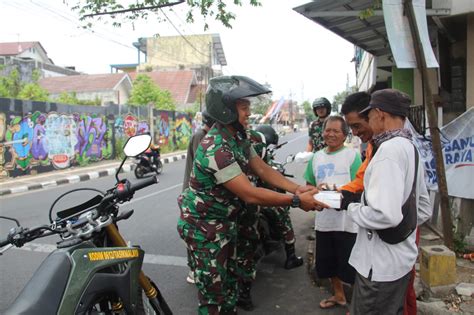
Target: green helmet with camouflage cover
[[322, 102], [224, 91]]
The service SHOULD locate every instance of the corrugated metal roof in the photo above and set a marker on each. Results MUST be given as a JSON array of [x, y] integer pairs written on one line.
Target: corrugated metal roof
[[343, 18], [369, 34]]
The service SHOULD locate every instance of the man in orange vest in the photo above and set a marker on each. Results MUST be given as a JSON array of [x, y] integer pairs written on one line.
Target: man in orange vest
[[359, 125]]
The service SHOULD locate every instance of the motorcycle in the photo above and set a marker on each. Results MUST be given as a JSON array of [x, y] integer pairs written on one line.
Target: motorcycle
[[148, 162], [270, 237], [93, 270]]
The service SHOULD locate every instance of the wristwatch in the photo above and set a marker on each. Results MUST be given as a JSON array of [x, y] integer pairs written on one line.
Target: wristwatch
[[295, 201]]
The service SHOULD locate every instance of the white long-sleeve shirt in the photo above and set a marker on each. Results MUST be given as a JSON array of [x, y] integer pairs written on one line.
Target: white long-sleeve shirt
[[388, 182]]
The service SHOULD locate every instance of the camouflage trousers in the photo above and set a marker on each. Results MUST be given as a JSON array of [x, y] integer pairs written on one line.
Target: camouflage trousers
[[279, 219], [247, 243], [213, 259]]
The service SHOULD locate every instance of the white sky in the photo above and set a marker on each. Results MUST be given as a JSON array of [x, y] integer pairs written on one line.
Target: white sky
[[297, 57]]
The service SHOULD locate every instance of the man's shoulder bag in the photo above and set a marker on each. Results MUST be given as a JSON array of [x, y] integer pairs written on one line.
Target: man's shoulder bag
[[403, 230]]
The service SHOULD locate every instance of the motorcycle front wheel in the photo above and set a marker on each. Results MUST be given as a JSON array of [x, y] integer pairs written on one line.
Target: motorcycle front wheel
[[159, 167], [156, 306], [139, 171], [104, 306]]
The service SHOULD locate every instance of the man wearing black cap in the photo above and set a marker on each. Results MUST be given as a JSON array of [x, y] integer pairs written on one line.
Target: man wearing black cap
[[394, 202]]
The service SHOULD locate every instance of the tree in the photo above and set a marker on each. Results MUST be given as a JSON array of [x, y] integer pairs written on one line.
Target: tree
[[141, 9], [308, 111], [144, 92], [340, 97], [11, 86], [32, 91]]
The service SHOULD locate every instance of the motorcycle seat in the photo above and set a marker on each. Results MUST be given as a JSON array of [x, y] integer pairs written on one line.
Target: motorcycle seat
[[43, 293]]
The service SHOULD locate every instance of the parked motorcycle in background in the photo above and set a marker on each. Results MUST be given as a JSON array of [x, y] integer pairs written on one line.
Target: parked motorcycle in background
[[269, 219], [148, 162], [93, 270]]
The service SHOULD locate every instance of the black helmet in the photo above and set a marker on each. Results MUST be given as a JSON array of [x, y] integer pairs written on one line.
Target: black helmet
[[271, 137], [322, 102], [224, 91], [207, 120]]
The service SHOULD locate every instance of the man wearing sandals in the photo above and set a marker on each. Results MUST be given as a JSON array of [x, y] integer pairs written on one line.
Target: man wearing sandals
[[333, 166]]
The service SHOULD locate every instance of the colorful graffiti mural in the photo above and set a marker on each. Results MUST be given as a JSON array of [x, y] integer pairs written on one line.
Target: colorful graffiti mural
[[92, 139], [183, 129], [34, 142], [60, 132], [130, 125], [164, 127]]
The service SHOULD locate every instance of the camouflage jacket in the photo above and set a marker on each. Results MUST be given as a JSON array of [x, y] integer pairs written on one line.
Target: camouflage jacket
[[220, 157], [315, 133]]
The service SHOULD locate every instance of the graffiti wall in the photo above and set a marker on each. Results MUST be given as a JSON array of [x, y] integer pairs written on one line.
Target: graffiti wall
[[40, 137]]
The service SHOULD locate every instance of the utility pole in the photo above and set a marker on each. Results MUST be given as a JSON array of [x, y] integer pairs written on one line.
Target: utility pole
[[434, 130]]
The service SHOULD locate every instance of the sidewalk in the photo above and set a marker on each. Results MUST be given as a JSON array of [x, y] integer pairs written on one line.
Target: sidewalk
[[74, 174], [456, 298]]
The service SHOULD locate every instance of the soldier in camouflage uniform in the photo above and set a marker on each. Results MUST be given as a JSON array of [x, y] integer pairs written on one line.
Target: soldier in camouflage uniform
[[217, 187], [279, 217], [247, 235], [322, 109]]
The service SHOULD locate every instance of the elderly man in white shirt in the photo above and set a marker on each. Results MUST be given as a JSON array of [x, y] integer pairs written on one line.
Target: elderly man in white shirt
[[390, 183]]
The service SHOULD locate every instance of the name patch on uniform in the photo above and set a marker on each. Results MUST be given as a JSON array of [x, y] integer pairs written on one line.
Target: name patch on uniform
[[113, 254]]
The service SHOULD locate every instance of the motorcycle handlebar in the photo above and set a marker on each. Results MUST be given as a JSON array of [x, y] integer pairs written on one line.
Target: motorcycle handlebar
[[143, 183], [4, 242]]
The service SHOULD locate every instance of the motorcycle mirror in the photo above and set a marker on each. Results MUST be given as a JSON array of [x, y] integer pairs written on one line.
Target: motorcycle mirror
[[136, 145]]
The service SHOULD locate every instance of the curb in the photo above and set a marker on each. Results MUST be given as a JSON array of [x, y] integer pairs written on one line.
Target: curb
[[127, 168]]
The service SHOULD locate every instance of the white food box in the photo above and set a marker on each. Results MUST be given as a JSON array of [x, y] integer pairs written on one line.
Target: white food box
[[331, 198]]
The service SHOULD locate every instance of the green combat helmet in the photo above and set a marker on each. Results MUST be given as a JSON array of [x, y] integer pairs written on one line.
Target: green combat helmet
[[224, 91], [322, 102]]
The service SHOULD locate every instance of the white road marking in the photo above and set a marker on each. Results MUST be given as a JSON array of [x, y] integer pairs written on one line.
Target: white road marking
[[149, 258], [157, 192]]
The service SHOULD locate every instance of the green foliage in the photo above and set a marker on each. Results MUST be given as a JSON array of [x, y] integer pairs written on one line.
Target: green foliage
[[32, 91], [308, 111], [11, 86], [218, 9], [119, 143], [365, 14], [459, 243], [145, 92], [71, 98], [340, 97]]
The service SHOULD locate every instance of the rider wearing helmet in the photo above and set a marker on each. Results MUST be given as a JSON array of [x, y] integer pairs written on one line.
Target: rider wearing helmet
[[322, 109], [219, 186], [279, 217]]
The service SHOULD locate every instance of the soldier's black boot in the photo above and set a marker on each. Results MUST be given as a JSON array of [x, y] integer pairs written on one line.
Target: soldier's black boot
[[292, 261], [245, 300]]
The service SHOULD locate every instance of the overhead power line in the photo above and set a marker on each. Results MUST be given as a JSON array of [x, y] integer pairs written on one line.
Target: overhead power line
[[182, 36]]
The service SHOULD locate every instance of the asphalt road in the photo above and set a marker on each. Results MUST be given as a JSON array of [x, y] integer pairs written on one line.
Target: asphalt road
[[153, 227]]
